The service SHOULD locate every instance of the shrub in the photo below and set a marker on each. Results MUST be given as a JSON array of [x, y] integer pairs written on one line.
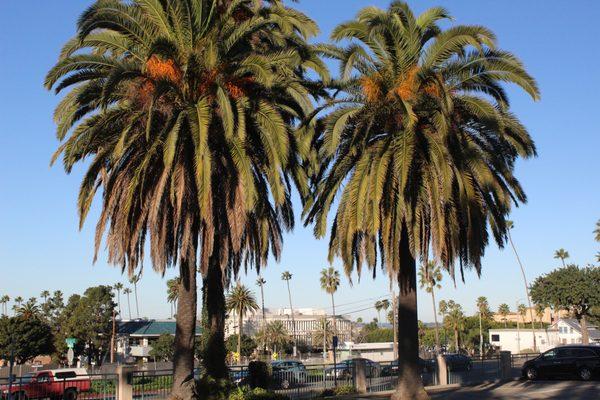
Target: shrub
[[259, 374], [211, 389], [339, 391], [255, 394]]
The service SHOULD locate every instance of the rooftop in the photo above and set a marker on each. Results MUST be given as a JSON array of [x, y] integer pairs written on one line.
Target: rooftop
[[149, 327]]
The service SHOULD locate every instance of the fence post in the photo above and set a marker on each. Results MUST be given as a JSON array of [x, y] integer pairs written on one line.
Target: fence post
[[505, 365], [361, 375], [442, 370], [125, 386]]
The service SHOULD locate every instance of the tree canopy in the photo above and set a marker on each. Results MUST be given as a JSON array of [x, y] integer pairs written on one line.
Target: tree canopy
[[27, 337]]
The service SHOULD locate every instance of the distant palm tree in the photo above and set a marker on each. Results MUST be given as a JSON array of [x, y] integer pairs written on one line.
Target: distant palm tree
[[28, 310], [455, 320], [443, 310], [241, 301], [430, 276], [118, 287], [378, 308], [483, 310], [287, 276], [522, 310], [562, 254], [134, 279], [45, 294], [503, 311], [540, 310], [18, 300], [173, 293], [4, 300], [510, 226], [277, 334], [597, 231], [260, 282], [127, 292], [323, 334], [330, 281]]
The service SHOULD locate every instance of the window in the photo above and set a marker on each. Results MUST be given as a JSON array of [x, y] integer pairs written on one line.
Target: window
[[45, 377], [584, 353], [65, 375], [549, 355], [564, 353], [495, 338]]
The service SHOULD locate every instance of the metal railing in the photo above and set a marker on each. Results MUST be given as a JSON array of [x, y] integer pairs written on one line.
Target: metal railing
[[78, 387], [152, 384]]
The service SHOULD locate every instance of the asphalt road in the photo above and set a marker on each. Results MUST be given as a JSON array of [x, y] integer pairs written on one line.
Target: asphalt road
[[525, 390]]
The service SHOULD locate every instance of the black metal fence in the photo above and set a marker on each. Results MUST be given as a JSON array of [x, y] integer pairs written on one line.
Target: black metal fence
[[47, 385]]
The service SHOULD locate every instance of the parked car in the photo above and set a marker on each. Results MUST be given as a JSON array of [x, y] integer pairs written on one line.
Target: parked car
[[287, 374], [343, 370], [64, 384], [458, 362], [391, 369], [578, 361]]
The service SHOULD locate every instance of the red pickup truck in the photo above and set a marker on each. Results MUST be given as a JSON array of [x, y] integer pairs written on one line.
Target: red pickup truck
[[63, 384]]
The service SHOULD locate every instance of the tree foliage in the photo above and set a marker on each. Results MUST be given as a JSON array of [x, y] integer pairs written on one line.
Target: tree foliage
[[25, 337], [163, 348], [248, 345]]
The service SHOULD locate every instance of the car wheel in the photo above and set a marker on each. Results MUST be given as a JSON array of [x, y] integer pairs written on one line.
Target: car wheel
[[285, 384], [70, 394], [585, 374], [531, 373]]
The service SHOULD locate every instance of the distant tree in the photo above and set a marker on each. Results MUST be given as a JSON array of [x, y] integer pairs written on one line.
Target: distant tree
[[455, 319], [241, 301], [163, 348], [245, 346], [522, 311], [359, 320], [483, 309], [134, 279], [561, 254], [503, 311], [173, 293], [570, 288], [443, 310], [118, 288], [26, 337], [18, 302], [4, 300], [127, 292], [378, 307], [287, 277], [260, 282], [45, 295], [430, 276], [322, 336], [330, 281], [539, 312], [29, 309], [275, 335], [597, 231]]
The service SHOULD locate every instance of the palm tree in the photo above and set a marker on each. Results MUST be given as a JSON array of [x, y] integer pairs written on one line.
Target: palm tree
[[510, 226], [483, 309], [430, 276], [443, 311], [420, 137], [260, 282], [455, 320], [28, 310], [18, 301], [45, 294], [522, 310], [118, 287], [277, 334], [192, 106], [597, 231], [127, 292], [287, 276], [173, 293], [134, 279], [323, 335], [561, 254], [540, 310], [504, 310], [330, 281], [4, 300], [241, 301]]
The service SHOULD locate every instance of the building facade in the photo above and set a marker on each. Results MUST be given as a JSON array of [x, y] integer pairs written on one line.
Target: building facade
[[548, 317], [306, 322]]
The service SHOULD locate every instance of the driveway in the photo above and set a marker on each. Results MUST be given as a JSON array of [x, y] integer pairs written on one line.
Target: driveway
[[525, 390]]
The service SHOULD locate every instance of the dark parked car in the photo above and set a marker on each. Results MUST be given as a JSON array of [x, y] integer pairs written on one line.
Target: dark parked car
[[391, 369], [580, 361], [343, 370], [458, 362], [287, 374]]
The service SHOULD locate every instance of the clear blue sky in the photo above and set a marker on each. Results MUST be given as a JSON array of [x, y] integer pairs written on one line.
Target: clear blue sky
[[41, 247]]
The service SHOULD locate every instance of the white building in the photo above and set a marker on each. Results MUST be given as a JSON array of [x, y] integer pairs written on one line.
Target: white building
[[306, 320], [564, 331], [378, 352]]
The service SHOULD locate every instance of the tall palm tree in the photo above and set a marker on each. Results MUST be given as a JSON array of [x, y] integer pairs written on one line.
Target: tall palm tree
[[597, 231], [483, 309], [187, 109], [455, 320], [18, 301], [29, 309], [330, 281], [287, 276], [119, 287], [173, 293], [134, 279], [277, 335], [4, 300], [504, 310], [323, 335], [420, 149], [241, 301], [127, 292], [510, 226], [443, 311], [430, 276], [378, 307], [260, 282], [44, 295], [561, 254]]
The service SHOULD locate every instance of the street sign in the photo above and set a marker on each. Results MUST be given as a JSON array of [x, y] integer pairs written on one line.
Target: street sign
[[335, 342], [71, 342], [70, 357]]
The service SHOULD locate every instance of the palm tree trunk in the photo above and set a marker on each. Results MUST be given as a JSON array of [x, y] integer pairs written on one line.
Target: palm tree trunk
[[185, 330], [137, 307], [334, 321], [239, 343], [410, 385], [437, 333], [213, 299], [395, 321], [264, 318], [293, 321], [129, 305], [480, 337], [585, 337], [526, 289], [119, 301]]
